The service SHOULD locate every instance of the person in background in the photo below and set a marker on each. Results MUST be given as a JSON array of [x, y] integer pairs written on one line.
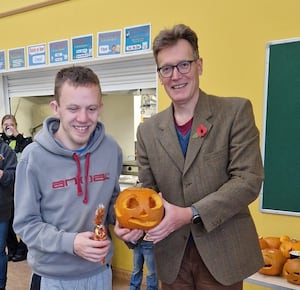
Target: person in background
[[143, 252], [11, 135], [17, 250], [70, 169], [203, 155], [8, 163]]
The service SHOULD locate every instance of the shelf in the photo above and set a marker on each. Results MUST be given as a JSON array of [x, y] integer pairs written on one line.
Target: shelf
[[273, 282]]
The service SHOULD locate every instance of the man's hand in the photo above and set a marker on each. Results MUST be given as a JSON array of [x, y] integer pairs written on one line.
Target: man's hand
[[175, 217], [128, 235], [87, 248]]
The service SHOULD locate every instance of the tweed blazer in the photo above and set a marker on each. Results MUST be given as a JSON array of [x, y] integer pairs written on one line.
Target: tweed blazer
[[220, 176]]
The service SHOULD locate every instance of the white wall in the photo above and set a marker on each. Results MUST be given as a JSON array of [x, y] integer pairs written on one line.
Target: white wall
[[118, 118]]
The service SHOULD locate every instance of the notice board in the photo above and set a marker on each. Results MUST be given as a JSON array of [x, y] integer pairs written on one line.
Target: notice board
[[281, 136]]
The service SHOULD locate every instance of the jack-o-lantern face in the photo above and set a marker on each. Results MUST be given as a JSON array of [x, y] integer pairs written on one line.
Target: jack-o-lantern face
[[139, 208], [291, 271], [273, 260], [289, 245]]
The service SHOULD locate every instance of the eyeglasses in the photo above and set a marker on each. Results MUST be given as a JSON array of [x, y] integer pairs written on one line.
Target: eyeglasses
[[183, 67]]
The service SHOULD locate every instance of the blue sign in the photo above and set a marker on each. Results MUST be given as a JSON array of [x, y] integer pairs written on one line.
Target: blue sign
[[109, 43], [58, 51], [2, 60], [16, 58], [137, 38], [82, 47]]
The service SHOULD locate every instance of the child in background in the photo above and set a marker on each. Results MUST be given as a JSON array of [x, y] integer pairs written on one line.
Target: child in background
[[143, 252]]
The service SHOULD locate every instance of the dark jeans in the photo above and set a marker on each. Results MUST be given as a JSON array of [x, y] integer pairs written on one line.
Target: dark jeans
[[13, 245], [193, 274], [35, 282], [11, 241], [3, 257]]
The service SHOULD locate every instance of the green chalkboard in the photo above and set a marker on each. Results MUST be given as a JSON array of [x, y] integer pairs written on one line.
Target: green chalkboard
[[281, 138]]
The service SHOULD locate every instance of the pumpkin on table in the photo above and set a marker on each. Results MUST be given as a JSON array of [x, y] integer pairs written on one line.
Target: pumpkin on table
[[291, 271], [262, 243], [139, 208], [273, 262], [289, 245], [273, 242]]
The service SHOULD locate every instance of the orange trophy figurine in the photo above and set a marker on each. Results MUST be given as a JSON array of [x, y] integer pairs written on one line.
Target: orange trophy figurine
[[100, 230]]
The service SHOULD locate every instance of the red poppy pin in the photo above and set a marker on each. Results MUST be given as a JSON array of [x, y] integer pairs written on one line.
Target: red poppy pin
[[200, 131]]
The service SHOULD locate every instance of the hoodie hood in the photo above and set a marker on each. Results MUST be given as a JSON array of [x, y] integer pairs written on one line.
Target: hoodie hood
[[46, 139]]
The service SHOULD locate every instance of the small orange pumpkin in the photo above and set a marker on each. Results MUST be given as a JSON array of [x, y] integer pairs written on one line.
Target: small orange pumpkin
[[295, 245], [273, 242], [289, 245], [286, 247], [262, 243], [273, 262], [139, 208], [284, 238], [291, 271]]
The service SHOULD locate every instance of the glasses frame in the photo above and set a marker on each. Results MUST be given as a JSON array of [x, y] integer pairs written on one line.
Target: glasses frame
[[177, 67]]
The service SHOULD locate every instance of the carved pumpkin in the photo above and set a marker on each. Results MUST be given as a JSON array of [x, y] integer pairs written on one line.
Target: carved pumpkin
[[273, 262], [295, 245], [291, 271], [262, 243], [284, 238], [287, 246], [273, 242], [139, 208]]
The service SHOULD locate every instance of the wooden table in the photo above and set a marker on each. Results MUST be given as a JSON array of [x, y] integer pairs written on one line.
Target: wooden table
[[273, 282]]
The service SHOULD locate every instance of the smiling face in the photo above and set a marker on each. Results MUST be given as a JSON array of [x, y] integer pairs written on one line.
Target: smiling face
[[181, 88], [139, 208], [78, 110]]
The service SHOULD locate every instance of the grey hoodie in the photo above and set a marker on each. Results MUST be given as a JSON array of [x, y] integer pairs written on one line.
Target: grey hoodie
[[51, 206]]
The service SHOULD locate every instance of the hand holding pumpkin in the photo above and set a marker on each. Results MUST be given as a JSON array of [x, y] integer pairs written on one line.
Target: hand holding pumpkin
[[127, 235], [174, 218]]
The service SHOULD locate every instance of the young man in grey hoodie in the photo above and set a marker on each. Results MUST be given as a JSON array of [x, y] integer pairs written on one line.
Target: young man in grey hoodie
[[62, 177]]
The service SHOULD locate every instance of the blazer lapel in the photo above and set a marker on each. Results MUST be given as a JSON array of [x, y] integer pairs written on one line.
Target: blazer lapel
[[201, 116], [169, 140]]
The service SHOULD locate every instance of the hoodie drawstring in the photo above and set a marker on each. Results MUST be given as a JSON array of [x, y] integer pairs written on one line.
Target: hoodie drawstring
[[86, 178], [87, 167]]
